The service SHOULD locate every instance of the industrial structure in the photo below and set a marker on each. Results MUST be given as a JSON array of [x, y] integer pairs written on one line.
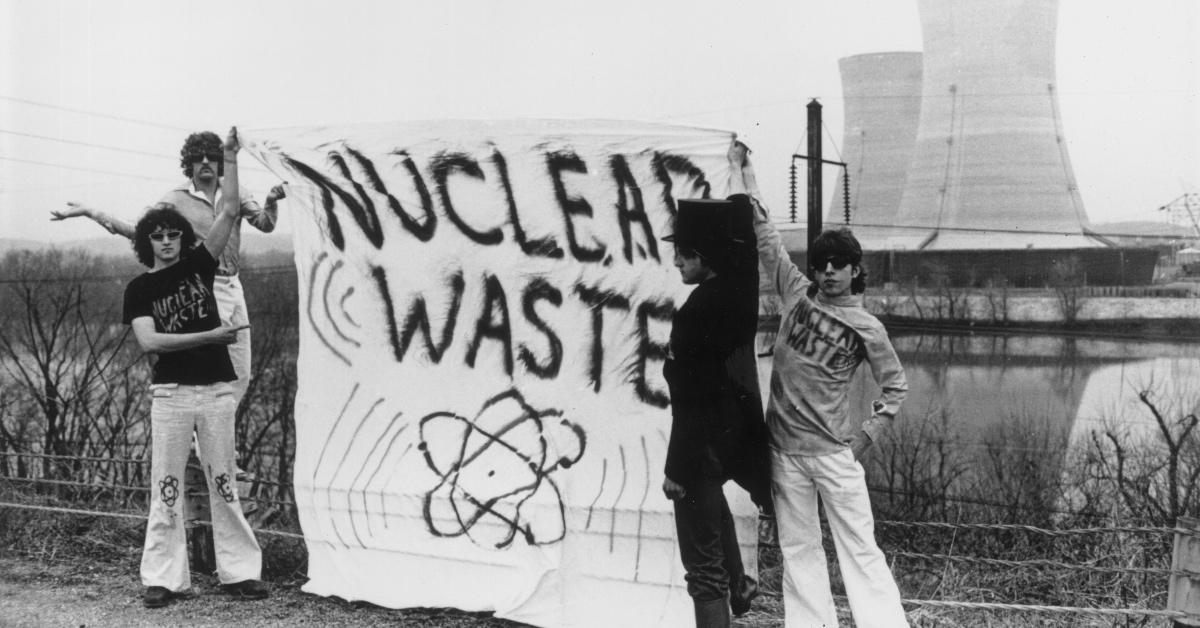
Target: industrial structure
[[882, 96], [956, 158]]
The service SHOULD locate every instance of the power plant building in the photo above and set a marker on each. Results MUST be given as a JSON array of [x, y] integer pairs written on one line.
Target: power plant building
[[957, 152], [882, 96]]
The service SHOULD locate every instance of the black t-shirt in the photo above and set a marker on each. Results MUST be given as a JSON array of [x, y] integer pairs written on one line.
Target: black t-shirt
[[180, 300]]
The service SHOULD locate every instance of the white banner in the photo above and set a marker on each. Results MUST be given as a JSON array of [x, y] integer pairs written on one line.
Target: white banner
[[481, 417]]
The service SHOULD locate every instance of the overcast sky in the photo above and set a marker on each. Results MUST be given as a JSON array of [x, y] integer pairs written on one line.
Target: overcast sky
[[96, 97]]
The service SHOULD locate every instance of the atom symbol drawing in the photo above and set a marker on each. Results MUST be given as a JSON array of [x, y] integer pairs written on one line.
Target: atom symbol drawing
[[168, 490], [495, 471], [223, 487]]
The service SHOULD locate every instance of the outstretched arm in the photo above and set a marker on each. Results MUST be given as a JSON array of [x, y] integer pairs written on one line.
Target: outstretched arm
[[111, 224], [218, 235], [262, 217], [784, 275]]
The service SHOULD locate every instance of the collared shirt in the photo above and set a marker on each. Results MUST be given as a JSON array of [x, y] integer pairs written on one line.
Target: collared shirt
[[194, 206]]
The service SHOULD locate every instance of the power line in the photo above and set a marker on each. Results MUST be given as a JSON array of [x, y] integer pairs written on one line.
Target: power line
[[43, 188], [253, 270], [26, 101], [114, 172], [88, 144], [799, 101], [92, 145], [829, 134], [1161, 92], [986, 230], [80, 168], [759, 105]]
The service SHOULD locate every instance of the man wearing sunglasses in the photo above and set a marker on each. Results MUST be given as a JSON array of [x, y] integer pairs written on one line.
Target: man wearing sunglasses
[[173, 311], [197, 199], [825, 334]]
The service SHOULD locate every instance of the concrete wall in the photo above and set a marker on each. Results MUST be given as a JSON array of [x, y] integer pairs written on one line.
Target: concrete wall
[[981, 308]]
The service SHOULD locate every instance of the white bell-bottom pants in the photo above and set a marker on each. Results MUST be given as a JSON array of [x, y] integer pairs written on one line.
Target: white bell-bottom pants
[[176, 411], [841, 484]]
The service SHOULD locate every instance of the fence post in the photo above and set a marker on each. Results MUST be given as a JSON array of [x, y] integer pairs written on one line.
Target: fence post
[[1183, 593], [200, 538]]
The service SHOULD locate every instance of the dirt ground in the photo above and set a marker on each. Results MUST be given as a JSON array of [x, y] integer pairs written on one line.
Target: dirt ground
[[37, 593], [34, 594]]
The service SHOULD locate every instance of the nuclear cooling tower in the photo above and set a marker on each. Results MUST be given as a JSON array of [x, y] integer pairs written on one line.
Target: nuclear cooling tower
[[989, 167], [882, 95]]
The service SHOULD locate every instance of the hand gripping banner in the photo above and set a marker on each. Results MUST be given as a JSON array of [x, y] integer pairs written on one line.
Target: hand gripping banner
[[481, 416]]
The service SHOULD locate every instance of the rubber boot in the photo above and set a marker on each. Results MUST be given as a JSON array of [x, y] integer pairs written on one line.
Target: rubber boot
[[712, 613], [741, 593]]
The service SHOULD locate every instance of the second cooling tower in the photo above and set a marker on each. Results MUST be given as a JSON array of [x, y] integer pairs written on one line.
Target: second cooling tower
[[989, 167], [882, 95]]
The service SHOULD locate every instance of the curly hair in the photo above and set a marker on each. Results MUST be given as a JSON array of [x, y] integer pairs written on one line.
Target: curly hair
[[198, 144], [160, 215], [840, 243]]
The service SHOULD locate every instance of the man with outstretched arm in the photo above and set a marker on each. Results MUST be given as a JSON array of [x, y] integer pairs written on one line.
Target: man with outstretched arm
[[825, 334], [197, 199], [173, 312]]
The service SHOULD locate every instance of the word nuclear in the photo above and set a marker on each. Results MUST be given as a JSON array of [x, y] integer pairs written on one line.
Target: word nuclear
[[674, 177], [188, 303]]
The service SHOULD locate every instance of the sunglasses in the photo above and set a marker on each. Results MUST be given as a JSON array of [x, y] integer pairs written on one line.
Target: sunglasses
[[214, 157], [159, 236], [838, 262]]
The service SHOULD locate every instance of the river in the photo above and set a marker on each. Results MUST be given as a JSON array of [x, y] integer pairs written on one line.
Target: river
[[982, 405]]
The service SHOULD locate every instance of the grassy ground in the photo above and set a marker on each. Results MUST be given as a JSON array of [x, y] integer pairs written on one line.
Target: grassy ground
[[107, 594], [70, 570]]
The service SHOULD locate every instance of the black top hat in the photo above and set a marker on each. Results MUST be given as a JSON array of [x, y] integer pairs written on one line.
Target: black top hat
[[719, 231], [699, 226]]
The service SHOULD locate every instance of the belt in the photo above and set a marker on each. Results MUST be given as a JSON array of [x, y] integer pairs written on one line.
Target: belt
[[223, 272]]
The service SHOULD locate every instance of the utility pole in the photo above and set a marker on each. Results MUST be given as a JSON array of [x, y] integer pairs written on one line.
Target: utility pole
[[814, 177]]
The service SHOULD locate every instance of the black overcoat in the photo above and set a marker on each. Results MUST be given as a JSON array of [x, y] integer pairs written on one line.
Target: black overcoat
[[717, 425]]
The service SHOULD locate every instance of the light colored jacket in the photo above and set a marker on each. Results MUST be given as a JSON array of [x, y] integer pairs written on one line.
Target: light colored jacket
[[820, 345], [201, 213]]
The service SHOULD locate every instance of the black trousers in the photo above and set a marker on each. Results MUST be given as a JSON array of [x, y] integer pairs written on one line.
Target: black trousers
[[707, 540]]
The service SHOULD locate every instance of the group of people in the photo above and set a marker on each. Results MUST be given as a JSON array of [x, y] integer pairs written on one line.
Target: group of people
[[189, 310], [807, 447]]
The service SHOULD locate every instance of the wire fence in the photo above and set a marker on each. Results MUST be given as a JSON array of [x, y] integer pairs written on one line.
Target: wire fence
[[270, 498]]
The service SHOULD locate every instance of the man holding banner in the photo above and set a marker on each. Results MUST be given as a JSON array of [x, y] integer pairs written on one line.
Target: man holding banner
[[174, 315], [716, 421], [486, 309], [198, 200], [825, 334]]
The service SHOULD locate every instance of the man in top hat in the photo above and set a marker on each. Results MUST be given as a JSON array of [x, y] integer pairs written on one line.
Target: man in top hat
[[717, 431]]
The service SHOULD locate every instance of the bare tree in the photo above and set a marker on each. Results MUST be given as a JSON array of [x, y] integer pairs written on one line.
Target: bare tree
[[1067, 278], [1154, 475], [60, 344], [996, 291], [264, 431]]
